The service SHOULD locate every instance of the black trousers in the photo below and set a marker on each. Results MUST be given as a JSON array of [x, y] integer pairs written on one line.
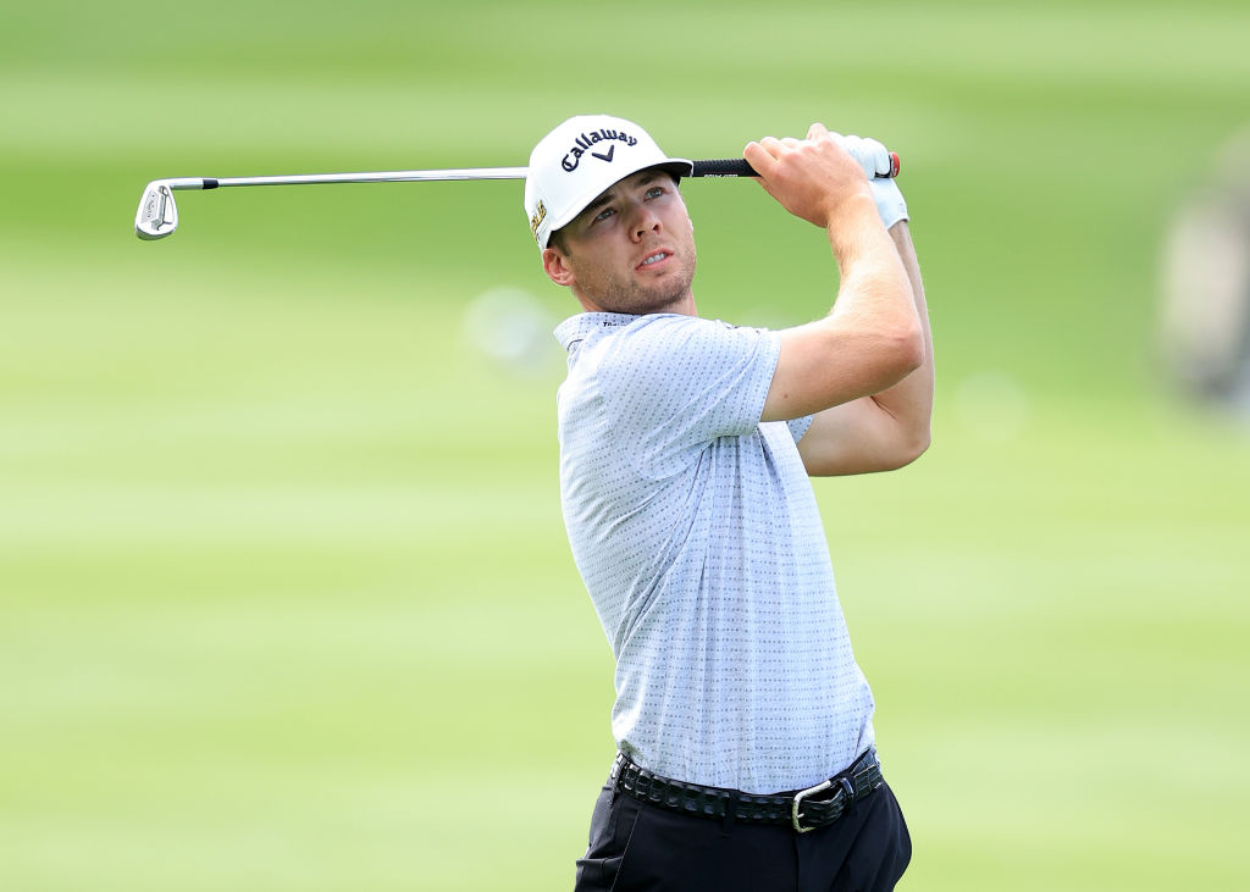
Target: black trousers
[[637, 846]]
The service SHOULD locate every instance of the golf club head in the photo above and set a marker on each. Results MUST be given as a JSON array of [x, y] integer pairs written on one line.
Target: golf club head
[[157, 216]]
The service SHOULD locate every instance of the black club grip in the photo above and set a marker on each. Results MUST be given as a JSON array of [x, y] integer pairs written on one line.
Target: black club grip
[[738, 167], [723, 167]]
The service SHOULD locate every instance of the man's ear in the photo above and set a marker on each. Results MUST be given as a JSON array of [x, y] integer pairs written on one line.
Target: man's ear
[[556, 266]]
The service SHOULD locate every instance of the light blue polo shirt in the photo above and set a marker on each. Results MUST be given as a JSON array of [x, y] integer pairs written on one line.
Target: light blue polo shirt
[[696, 531]]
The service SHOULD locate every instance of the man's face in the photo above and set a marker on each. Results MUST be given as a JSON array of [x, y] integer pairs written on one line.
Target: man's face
[[631, 250]]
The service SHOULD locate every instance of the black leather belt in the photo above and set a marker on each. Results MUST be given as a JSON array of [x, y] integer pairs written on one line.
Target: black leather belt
[[804, 810]]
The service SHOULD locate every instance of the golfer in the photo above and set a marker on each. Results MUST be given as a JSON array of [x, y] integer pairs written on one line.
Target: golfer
[[747, 758]]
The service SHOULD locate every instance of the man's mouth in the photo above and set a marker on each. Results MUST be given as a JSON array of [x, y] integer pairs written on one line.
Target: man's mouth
[[653, 259]]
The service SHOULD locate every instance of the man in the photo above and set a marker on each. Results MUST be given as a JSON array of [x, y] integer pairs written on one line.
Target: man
[[747, 757]]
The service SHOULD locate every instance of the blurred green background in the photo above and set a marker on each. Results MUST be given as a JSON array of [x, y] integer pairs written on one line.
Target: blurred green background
[[285, 598]]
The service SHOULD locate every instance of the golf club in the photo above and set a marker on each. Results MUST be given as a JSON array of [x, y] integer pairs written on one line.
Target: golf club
[[157, 216]]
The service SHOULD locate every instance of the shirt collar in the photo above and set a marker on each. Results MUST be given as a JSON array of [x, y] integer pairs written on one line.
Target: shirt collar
[[579, 327]]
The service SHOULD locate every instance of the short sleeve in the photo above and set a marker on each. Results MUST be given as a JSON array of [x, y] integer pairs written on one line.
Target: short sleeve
[[798, 426], [672, 384]]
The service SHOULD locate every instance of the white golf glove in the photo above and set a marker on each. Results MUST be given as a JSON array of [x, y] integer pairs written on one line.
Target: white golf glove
[[874, 158]]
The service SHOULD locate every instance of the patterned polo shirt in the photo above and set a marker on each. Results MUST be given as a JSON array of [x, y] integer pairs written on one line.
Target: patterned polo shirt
[[696, 531]]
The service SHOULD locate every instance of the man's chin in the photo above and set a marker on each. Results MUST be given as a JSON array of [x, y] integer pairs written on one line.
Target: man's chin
[[641, 298]]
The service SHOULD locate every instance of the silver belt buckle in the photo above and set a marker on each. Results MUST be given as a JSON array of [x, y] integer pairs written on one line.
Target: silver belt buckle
[[795, 814]]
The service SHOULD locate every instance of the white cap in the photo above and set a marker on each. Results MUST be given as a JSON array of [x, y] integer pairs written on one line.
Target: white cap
[[575, 163]]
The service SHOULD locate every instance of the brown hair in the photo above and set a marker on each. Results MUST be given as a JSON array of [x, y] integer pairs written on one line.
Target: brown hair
[[556, 240]]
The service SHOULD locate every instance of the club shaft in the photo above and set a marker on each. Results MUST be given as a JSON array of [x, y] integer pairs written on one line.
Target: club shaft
[[727, 167]]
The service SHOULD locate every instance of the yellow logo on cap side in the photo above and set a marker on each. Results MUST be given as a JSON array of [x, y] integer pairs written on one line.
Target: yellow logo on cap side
[[537, 219]]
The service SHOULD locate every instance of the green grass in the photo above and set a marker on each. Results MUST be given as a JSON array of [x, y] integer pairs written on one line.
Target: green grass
[[284, 589]]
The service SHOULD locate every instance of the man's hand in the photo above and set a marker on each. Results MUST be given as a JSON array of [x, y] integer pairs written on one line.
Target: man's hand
[[813, 178]]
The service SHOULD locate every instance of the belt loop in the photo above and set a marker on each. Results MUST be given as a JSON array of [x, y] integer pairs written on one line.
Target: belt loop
[[731, 812]]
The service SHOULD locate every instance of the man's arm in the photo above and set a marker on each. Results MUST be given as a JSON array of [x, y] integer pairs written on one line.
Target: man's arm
[[886, 430], [873, 337]]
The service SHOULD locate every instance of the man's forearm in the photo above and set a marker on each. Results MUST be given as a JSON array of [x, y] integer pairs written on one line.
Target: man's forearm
[[910, 401]]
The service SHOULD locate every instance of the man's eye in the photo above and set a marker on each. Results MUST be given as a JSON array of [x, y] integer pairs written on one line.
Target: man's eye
[[655, 192], [604, 214]]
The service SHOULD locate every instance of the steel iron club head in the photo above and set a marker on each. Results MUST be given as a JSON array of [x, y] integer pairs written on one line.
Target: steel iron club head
[[157, 216]]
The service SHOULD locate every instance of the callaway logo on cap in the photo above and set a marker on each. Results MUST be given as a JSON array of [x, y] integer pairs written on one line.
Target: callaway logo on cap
[[577, 161]]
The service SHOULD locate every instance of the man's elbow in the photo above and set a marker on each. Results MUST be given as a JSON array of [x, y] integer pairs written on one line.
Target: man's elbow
[[904, 351], [917, 444], [906, 450]]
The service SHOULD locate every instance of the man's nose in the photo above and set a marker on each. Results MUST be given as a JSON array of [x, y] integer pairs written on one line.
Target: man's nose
[[645, 220]]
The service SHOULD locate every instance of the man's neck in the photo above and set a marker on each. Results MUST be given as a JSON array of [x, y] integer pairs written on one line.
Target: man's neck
[[683, 306]]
